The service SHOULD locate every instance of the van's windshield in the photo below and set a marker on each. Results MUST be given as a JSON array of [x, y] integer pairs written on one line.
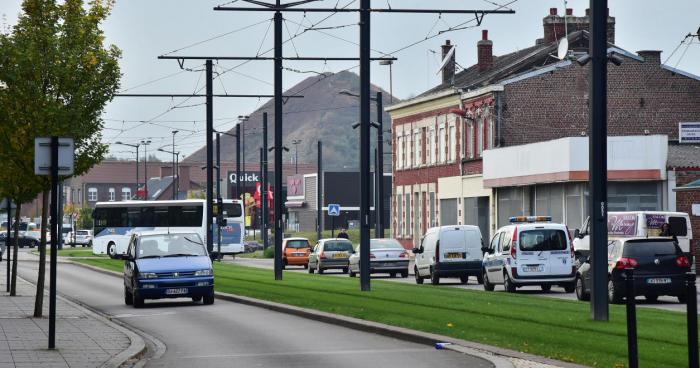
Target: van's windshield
[[542, 239], [170, 245]]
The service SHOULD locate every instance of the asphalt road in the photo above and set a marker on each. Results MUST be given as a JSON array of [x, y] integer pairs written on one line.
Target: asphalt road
[[228, 334], [664, 302]]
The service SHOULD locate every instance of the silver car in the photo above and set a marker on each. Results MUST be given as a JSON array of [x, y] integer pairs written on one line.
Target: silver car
[[386, 256], [330, 254]]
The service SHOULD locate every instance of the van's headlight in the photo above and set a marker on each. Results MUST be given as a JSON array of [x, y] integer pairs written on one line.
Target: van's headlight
[[207, 272], [148, 275]]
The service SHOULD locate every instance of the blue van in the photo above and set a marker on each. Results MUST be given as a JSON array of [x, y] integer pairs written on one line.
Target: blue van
[[167, 265]]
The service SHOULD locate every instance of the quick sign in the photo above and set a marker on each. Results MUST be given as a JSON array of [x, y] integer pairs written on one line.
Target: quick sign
[[689, 132], [248, 177]]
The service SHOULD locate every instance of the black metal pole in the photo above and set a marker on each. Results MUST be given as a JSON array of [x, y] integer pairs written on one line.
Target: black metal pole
[[177, 173], [692, 313], [379, 206], [319, 191], [632, 355], [54, 242], [210, 158], [145, 171], [364, 142], [260, 215], [263, 190], [7, 240], [597, 147], [376, 195], [238, 162], [218, 194], [137, 172], [173, 165], [278, 144]]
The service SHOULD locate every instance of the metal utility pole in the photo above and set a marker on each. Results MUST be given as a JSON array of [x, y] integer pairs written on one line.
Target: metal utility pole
[[54, 242], [238, 161], [219, 210], [376, 196], [597, 147], [278, 142], [364, 142], [296, 142], [319, 190], [173, 162], [379, 206], [263, 190], [391, 79], [137, 162], [145, 169], [7, 240], [210, 154]]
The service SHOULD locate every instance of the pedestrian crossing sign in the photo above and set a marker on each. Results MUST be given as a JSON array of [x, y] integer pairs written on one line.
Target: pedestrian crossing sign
[[333, 210]]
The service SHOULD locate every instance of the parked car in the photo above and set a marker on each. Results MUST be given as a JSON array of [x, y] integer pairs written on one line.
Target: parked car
[[295, 252], [329, 254], [79, 237], [251, 246], [531, 251], [659, 269], [449, 251], [24, 240], [167, 265], [386, 256]]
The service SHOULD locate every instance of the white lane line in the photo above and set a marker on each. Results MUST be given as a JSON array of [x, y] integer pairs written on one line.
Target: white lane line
[[297, 353], [130, 315]]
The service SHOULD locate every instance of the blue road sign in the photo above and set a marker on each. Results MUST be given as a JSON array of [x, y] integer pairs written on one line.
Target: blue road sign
[[333, 210]]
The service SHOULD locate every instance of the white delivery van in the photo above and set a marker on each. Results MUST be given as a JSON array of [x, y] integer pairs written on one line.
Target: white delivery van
[[638, 223], [449, 251]]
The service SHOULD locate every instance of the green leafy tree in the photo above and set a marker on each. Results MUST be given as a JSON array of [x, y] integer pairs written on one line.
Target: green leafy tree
[[84, 218], [56, 77]]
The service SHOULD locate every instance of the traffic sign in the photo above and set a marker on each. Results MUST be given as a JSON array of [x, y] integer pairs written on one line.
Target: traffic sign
[[42, 156], [333, 210]]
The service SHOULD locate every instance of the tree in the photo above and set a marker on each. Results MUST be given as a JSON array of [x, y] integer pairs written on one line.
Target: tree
[[84, 218], [57, 77]]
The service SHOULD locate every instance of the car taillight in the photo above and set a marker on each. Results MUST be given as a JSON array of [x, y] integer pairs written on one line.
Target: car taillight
[[625, 262], [403, 254], [571, 243], [682, 261], [322, 255], [371, 255], [514, 243]]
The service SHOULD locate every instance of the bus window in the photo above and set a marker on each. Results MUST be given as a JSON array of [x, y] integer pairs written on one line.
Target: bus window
[[232, 209], [190, 216], [160, 217]]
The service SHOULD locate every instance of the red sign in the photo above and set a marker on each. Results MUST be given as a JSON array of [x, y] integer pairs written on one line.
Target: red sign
[[623, 225], [295, 185]]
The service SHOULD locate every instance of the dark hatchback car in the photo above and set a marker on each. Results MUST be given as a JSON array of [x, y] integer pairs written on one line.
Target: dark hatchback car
[[24, 240], [173, 265], [659, 269]]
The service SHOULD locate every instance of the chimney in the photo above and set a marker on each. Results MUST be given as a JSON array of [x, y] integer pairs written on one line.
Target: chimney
[[554, 27], [448, 72], [484, 50], [650, 56]]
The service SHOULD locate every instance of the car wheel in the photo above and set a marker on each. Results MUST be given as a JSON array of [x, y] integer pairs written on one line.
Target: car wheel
[[570, 287], [480, 278], [137, 300], [111, 248], [651, 298], [404, 274], [90, 244], [209, 298], [546, 287], [392, 274], [197, 299], [581, 293], [419, 280], [683, 298], [614, 294], [284, 264], [464, 279], [128, 298], [434, 278], [351, 273], [488, 286], [345, 270], [508, 284]]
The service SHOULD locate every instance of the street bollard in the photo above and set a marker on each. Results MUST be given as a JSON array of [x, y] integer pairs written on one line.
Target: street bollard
[[631, 319], [692, 312]]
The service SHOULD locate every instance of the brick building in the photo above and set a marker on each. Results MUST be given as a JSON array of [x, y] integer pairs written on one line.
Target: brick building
[[507, 136]]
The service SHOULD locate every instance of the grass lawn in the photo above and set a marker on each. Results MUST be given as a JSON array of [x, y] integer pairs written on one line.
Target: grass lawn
[[558, 329], [73, 252], [256, 254], [106, 263]]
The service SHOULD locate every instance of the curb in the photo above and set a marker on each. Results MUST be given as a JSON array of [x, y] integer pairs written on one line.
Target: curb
[[137, 346], [497, 356]]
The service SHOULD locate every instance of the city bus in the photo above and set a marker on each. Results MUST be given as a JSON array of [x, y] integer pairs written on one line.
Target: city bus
[[114, 222]]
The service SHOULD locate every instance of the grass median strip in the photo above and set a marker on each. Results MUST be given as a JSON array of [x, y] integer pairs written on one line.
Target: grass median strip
[[558, 329]]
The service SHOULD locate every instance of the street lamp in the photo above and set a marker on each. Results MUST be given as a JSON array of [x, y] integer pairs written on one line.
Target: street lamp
[[137, 161], [176, 178], [391, 82], [145, 144], [238, 161], [379, 170], [295, 142], [241, 122]]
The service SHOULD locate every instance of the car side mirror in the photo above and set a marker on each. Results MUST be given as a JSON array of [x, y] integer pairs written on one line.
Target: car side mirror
[[577, 233], [485, 249], [417, 250]]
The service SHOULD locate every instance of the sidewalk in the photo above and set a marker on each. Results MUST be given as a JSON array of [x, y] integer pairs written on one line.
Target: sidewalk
[[83, 339]]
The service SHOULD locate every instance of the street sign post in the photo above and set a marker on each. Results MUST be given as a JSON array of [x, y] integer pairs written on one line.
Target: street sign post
[[333, 212], [53, 156]]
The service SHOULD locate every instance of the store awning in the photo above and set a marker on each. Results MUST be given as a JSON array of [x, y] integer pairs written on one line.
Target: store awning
[[294, 204]]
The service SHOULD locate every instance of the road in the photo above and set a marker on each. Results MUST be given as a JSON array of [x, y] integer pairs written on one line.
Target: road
[[664, 302], [229, 334]]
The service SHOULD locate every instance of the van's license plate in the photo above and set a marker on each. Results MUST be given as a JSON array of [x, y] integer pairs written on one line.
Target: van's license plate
[[176, 291], [659, 280], [453, 255], [535, 268]]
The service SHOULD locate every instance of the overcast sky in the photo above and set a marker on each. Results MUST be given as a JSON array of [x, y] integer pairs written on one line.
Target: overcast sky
[[144, 29]]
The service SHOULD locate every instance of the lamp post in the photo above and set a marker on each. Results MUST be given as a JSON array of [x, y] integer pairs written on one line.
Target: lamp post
[[176, 178], [173, 161], [296, 142], [391, 82], [241, 122], [137, 162], [238, 154], [145, 144]]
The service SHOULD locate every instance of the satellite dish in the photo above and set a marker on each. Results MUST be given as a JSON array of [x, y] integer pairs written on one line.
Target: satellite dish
[[563, 48], [446, 59]]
